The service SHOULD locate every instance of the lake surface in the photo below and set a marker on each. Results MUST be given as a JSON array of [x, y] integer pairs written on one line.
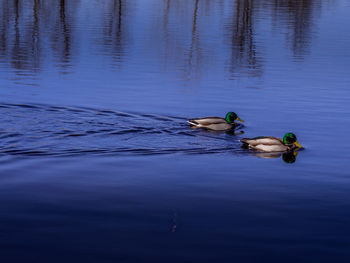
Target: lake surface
[[97, 163]]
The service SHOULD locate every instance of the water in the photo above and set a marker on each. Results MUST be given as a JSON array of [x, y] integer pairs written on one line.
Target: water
[[99, 165]]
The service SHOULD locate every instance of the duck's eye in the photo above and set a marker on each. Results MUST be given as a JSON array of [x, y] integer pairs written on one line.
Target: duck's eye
[[290, 139], [233, 117], [230, 117]]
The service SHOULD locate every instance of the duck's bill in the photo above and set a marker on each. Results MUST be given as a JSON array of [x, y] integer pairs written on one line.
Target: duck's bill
[[239, 119], [297, 144]]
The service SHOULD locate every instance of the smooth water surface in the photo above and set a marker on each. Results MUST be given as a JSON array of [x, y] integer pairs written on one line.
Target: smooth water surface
[[97, 163]]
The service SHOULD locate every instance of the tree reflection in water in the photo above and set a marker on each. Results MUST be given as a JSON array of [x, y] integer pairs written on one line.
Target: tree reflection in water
[[31, 30]]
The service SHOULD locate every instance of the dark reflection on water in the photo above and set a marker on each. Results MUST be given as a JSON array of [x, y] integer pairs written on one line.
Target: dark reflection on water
[[115, 32], [297, 17], [288, 157], [241, 31], [32, 31], [61, 37]]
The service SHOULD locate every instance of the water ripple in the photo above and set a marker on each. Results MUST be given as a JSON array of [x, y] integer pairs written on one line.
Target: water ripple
[[44, 130]]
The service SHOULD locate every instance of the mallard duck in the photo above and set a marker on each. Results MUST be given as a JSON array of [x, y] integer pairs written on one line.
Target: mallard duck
[[272, 144], [216, 123]]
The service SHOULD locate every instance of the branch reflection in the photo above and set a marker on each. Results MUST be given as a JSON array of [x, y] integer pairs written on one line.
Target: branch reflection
[[242, 31], [297, 17], [190, 34]]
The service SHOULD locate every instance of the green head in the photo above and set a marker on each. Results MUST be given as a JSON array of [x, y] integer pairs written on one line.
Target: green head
[[290, 139], [231, 117]]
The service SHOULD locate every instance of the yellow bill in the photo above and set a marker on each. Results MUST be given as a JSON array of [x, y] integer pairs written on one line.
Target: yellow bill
[[297, 144], [239, 119]]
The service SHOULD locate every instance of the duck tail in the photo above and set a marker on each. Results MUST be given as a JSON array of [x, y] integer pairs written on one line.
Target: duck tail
[[193, 123], [245, 143], [244, 140]]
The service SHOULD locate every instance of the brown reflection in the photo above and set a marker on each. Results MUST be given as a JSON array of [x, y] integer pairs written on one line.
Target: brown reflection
[[35, 36], [243, 47], [61, 34], [114, 33], [166, 31], [246, 53], [23, 34], [22, 45], [24, 52], [297, 17], [17, 53], [30, 29], [294, 15], [194, 47], [66, 49]]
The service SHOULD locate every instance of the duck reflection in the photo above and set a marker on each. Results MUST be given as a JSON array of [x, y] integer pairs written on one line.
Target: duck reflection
[[288, 157], [236, 130]]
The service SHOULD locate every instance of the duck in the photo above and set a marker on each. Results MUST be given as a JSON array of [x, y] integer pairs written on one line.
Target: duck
[[216, 123], [272, 144]]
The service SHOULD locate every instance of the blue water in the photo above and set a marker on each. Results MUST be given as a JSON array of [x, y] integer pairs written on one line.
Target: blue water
[[98, 164]]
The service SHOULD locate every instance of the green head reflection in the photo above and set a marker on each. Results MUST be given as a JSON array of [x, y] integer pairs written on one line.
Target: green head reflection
[[287, 157], [290, 157]]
